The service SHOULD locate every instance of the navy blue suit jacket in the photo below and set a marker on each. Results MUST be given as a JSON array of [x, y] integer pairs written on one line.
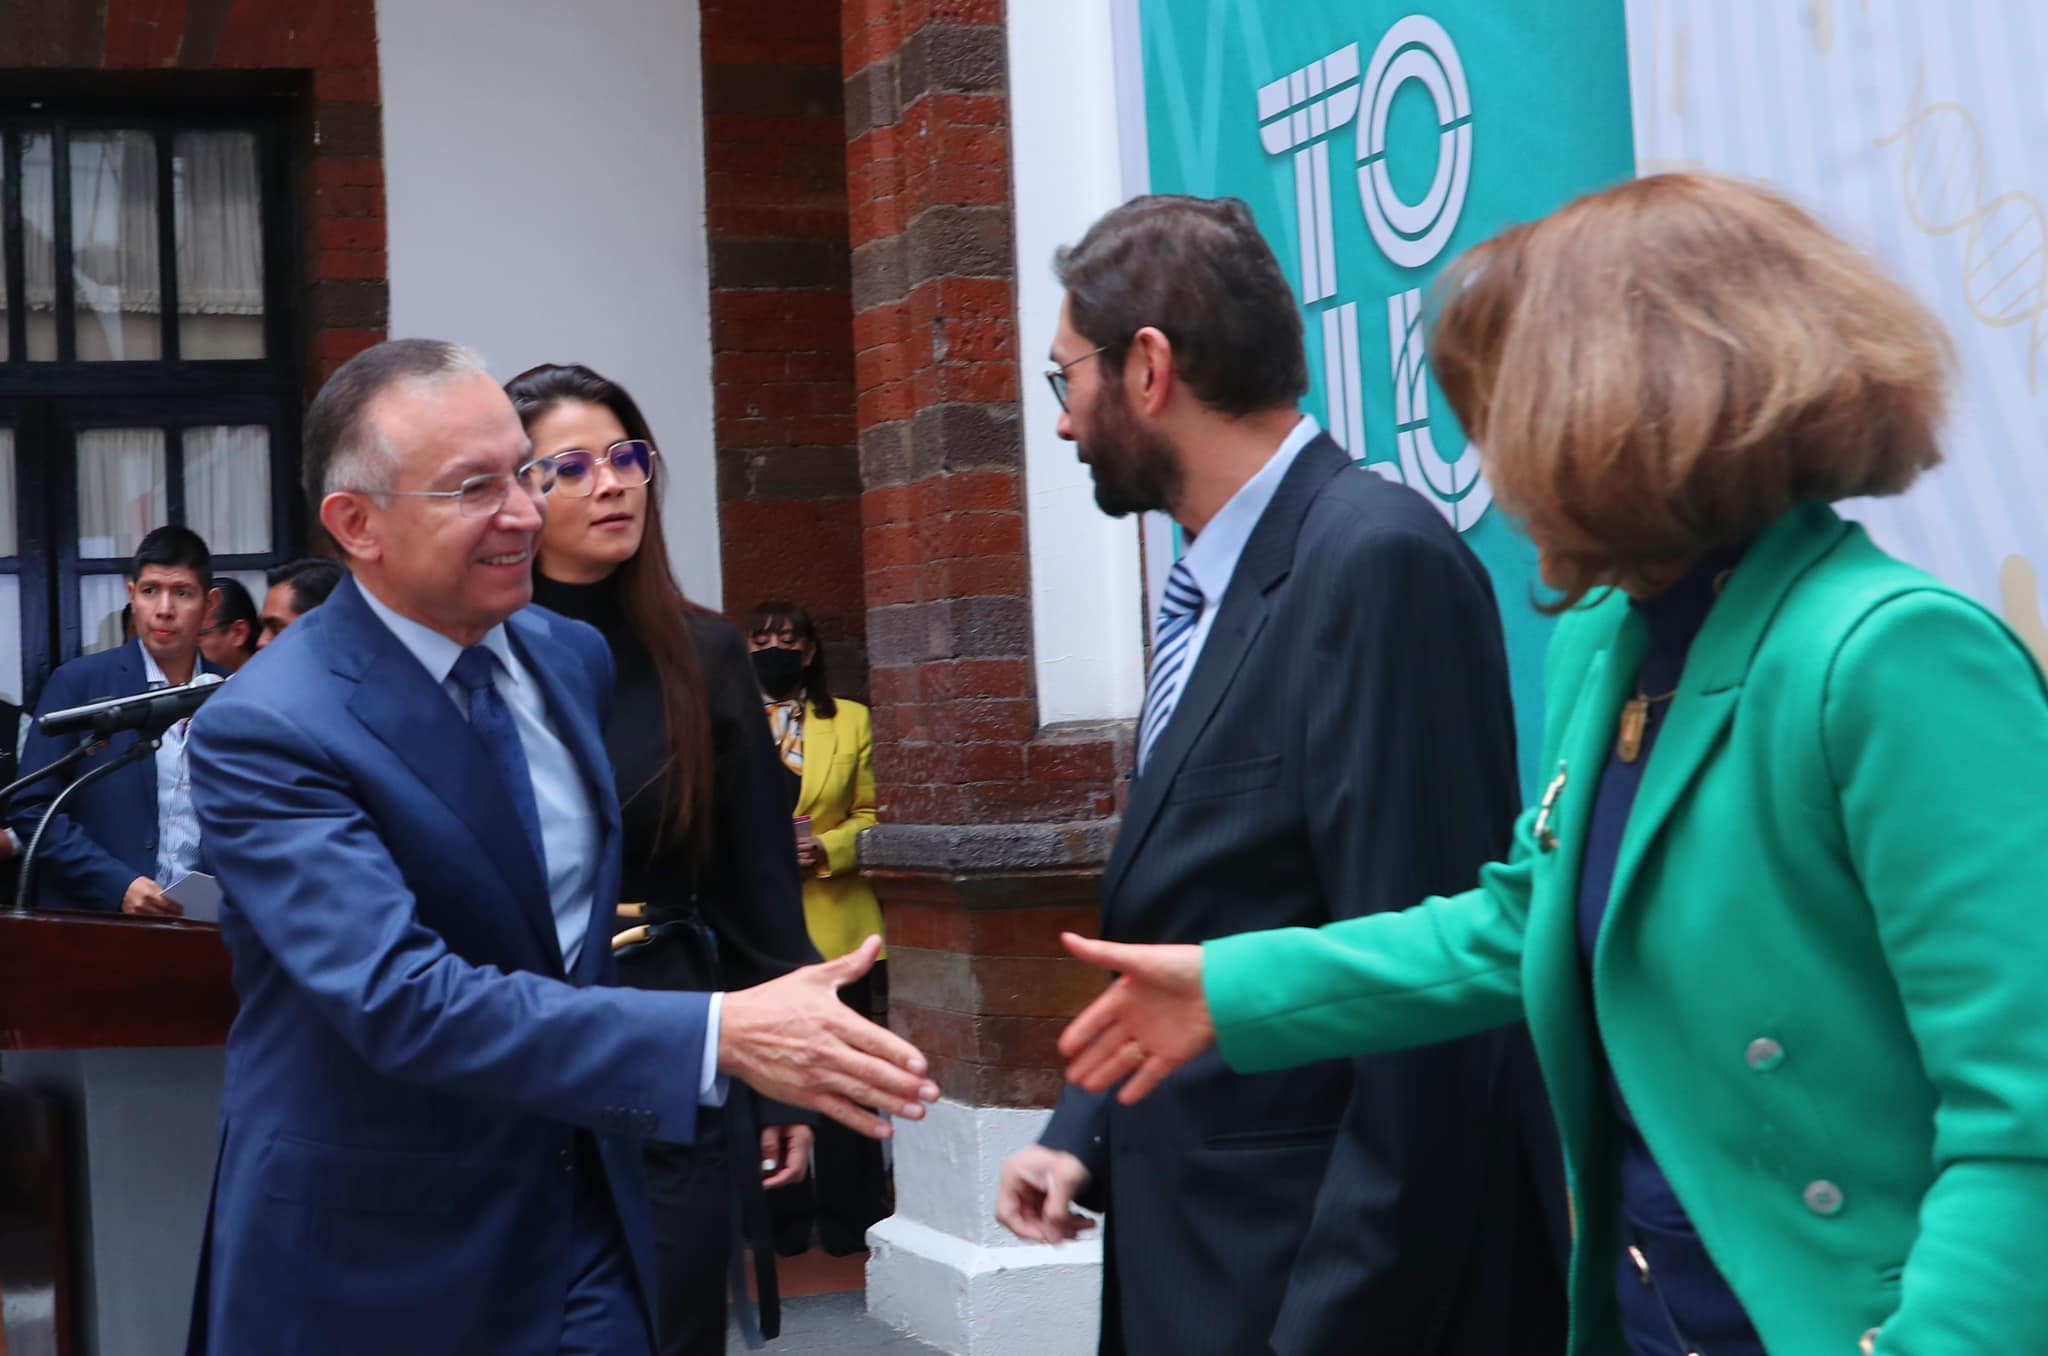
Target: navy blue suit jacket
[[412, 1065], [1344, 744], [107, 834]]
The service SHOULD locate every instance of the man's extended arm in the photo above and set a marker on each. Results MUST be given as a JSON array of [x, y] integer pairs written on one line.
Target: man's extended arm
[[302, 865]]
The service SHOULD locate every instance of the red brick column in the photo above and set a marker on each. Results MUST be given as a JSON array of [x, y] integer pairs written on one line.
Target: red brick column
[[994, 827], [332, 46], [781, 318]]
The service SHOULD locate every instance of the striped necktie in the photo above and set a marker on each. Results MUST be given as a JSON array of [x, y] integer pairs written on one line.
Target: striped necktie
[[1179, 610]]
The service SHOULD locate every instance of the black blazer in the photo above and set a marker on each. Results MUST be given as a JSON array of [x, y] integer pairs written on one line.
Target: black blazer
[[1345, 744]]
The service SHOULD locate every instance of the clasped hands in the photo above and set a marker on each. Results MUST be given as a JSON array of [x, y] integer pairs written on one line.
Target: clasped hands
[[1151, 1020], [792, 1040]]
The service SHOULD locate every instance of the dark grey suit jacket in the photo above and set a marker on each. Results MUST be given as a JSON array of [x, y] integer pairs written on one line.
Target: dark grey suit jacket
[[1345, 744]]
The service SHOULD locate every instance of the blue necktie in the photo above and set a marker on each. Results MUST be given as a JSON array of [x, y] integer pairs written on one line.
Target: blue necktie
[[492, 720], [1179, 610]]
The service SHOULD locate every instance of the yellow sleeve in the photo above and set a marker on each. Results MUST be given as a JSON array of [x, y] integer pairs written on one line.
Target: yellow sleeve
[[842, 854]]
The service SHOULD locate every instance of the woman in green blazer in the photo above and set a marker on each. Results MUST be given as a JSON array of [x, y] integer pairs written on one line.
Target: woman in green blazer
[[1778, 930]]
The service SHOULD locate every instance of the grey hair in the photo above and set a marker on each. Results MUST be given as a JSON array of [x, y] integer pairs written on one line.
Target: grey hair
[[344, 449]]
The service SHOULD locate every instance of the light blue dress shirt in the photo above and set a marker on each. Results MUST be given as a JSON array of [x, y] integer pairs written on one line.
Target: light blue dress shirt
[[177, 823], [568, 814], [1212, 557]]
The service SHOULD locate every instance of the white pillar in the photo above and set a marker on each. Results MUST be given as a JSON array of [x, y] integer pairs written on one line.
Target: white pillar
[[943, 1269]]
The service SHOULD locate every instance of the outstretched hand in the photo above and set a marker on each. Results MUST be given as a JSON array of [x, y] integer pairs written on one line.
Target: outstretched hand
[[1153, 1019], [793, 1041]]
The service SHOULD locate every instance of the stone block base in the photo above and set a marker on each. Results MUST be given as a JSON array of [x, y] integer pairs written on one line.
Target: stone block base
[[943, 1270]]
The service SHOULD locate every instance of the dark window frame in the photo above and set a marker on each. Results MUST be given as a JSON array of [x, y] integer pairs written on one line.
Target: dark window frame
[[49, 402]]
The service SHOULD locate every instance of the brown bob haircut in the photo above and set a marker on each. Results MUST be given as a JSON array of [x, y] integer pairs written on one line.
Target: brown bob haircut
[[1664, 368]]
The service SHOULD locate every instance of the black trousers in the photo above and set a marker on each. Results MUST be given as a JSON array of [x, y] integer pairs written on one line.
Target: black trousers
[[848, 1188], [692, 1190]]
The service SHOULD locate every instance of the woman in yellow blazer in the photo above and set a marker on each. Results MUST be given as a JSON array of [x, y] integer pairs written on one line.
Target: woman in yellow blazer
[[1777, 923], [827, 746]]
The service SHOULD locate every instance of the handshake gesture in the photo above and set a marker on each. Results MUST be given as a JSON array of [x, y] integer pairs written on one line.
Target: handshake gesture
[[793, 1040]]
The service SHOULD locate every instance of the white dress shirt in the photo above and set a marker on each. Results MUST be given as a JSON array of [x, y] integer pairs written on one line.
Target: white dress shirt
[[568, 814], [1212, 557], [177, 823]]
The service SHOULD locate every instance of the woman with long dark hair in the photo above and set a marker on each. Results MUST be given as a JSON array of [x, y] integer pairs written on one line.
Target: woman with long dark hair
[[705, 813]]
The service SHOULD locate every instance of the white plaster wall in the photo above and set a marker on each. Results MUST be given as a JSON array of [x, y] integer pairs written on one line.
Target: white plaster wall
[[1087, 605], [544, 169]]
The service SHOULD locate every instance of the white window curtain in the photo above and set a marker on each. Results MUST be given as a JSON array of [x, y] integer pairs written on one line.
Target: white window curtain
[[113, 222], [39, 223], [217, 193], [8, 545], [121, 490], [218, 197], [227, 488]]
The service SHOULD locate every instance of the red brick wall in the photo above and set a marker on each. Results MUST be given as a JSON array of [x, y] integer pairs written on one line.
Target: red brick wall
[[781, 317], [993, 826], [346, 303], [948, 576]]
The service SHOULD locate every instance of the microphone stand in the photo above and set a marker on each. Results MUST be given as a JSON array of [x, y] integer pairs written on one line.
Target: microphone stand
[[151, 738], [64, 764]]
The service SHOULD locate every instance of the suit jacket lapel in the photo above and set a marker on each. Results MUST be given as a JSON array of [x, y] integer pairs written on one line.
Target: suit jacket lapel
[[1556, 997], [575, 721], [131, 676], [399, 702], [821, 741], [1267, 557]]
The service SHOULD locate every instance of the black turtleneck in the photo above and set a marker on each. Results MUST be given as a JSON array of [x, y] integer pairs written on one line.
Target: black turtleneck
[[746, 886]]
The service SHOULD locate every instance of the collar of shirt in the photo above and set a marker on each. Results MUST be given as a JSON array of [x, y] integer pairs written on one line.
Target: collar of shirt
[[153, 673], [1212, 557], [437, 653]]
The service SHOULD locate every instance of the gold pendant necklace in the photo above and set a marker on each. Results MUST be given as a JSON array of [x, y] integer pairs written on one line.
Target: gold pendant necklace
[[1635, 721]]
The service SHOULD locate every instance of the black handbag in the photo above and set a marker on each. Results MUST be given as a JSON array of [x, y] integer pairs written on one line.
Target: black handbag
[[679, 954]]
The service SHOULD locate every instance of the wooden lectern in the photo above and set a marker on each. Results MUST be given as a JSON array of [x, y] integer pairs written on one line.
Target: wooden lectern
[[115, 1025]]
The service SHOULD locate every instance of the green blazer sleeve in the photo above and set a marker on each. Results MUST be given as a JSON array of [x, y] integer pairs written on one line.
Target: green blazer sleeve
[[1935, 729], [1448, 967]]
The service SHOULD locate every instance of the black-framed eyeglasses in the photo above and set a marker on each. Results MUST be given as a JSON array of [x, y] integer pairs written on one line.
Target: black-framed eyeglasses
[[484, 496], [631, 460], [1056, 377]]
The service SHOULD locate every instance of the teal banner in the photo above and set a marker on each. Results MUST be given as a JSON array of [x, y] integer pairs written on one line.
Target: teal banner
[[1375, 142]]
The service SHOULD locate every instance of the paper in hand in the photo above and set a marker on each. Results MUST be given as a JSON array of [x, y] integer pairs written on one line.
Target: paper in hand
[[198, 894]]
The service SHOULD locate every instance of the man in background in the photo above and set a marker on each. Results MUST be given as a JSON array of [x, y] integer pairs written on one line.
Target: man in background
[[116, 844], [295, 589], [228, 640], [1326, 733]]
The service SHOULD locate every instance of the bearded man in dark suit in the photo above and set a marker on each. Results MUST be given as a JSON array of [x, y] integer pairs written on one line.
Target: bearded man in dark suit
[[1327, 731]]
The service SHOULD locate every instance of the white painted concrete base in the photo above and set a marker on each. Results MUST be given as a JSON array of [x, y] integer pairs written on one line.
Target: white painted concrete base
[[942, 1269]]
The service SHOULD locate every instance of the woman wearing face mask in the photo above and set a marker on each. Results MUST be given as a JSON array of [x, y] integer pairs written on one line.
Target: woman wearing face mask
[[703, 808], [828, 757]]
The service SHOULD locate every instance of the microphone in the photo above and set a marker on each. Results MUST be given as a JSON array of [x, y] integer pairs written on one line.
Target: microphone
[[153, 711]]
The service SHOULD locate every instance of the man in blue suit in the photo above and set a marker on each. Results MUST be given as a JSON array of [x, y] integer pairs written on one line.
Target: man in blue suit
[[434, 1093], [122, 839]]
